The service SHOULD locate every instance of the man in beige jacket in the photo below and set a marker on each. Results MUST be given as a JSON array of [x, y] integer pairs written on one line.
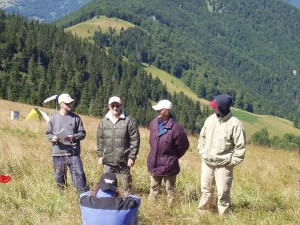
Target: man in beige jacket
[[222, 145]]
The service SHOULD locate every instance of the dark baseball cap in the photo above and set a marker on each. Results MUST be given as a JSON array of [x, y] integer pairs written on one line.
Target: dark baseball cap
[[108, 181]]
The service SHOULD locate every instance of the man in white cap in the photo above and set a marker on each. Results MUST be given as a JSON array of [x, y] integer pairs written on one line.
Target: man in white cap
[[65, 131], [118, 142], [168, 142]]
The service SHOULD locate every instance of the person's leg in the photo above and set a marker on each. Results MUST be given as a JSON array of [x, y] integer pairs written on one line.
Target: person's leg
[[224, 177], [207, 187], [77, 173], [60, 171], [155, 185], [126, 180], [124, 176], [170, 188], [108, 169]]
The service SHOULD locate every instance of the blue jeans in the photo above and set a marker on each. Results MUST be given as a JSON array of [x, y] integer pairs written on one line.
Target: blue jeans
[[61, 164]]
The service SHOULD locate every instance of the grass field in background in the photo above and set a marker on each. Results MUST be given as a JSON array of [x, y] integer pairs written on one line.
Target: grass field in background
[[275, 126], [264, 188], [251, 122], [88, 28]]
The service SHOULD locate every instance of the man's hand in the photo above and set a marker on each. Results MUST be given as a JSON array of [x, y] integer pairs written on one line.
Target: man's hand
[[70, 138], [130, 162], [100, 161], [54, 139]]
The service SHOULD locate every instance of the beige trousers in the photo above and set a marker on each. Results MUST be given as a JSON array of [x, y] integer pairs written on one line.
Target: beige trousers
[[212, 176], [155, 187]]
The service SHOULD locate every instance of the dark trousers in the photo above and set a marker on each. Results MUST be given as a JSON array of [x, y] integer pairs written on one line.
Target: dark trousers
[[61, 164], [123, 175]]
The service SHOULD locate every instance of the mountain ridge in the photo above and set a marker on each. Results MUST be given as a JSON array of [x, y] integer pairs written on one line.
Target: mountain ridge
[[251, 48], [295, 3], [208, 50], [44, 11], [252, 122]]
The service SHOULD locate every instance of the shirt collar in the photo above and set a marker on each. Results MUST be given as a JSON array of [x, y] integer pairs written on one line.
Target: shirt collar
[[109, 115]]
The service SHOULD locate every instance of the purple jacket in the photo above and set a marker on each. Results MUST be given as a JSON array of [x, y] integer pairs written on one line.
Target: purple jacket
[[166, 148]]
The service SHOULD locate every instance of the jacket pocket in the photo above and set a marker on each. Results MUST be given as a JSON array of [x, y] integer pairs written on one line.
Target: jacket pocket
[[107, 155], [119, 156], [170, 165]]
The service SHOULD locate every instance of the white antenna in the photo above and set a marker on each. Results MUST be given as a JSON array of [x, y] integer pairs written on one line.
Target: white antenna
[[54, 97]]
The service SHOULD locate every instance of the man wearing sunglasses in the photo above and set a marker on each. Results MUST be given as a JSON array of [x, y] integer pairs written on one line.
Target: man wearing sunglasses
[[65, 131], [118, 142]]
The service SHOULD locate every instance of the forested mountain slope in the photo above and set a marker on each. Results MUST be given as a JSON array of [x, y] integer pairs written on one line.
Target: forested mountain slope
[[40, 60], [249, 49]]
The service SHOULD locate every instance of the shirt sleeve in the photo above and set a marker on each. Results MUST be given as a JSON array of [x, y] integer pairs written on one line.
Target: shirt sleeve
[[181, 141], [49, 130], [134, 135], [201, 140], [239, 138], [80, 133], [100, 139]]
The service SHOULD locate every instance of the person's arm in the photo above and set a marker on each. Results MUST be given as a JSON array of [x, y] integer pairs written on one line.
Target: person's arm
[[49, 132], [181, 141], [80, 133], [201, 140], [137, 199], [239, 139], [100, 139], [134, 135]]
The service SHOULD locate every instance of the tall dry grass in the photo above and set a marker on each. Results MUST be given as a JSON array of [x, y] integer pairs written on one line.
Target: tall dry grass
[[264, 189]]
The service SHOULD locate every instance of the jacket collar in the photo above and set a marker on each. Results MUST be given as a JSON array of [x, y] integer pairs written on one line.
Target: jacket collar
[[225, 118], [169, 125], [108, 193], [111, 118]]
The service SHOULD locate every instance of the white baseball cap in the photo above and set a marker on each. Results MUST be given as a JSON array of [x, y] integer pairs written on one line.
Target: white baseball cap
[[65, 98], [114, 99], [163, 104]]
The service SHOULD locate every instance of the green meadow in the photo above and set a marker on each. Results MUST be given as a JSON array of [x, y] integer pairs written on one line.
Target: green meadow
[[88, 28], [264, 189]]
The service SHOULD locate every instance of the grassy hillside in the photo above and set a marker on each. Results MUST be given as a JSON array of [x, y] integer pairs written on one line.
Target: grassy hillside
[[222, 47], [252, 122], [88, 28], [264, 189]]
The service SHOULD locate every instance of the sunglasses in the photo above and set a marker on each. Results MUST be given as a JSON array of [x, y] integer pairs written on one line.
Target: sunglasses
[[115, 106]]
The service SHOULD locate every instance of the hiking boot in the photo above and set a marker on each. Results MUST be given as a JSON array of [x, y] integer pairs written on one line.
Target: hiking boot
[[170, 201], [151, 197]]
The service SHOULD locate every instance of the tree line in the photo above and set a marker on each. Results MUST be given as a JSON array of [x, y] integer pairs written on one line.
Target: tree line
[[40, 60], [287, 142], [245, 48]]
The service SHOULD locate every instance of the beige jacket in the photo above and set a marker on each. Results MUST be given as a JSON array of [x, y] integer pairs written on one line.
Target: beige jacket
[[222, 141]]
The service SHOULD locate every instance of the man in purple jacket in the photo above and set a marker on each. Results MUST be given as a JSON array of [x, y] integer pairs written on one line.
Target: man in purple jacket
[[168, 142]]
